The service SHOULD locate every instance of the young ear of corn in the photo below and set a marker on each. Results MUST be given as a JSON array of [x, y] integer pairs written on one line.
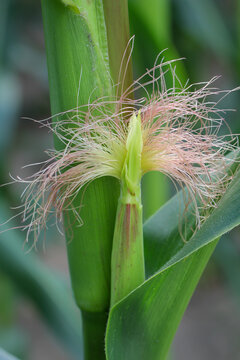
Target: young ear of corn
[[80, 36], [128, 270]]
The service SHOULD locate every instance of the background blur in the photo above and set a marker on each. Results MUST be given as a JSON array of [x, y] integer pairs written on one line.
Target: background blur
[[38, 319]]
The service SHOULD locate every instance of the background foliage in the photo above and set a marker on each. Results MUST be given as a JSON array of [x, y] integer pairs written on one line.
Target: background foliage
[[206, 33]]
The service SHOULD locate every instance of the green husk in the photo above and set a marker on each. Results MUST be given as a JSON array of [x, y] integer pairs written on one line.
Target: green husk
[[127, 268]]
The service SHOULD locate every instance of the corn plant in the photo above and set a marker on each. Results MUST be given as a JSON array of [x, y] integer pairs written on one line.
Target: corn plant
[[131, 282]]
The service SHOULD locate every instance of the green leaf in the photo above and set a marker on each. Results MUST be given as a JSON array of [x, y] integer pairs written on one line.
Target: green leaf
[[5, 356], [150, 13], [162, 242], [151, 23], [144, 323], [161, 233]]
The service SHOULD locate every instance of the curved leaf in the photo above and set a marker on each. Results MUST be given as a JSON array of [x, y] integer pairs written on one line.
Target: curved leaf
[[144, 323], [161, 242]]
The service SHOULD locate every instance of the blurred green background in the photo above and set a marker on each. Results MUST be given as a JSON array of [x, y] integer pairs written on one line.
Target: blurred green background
[[38, 319]]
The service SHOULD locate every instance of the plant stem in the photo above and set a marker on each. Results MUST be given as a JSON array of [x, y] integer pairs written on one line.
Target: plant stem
[[117, 24], [83, 57], [94, 325]]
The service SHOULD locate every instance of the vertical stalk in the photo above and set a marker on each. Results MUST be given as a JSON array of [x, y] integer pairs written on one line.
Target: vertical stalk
[[117, 24], [81, 65], [75, 47], [94, 325]]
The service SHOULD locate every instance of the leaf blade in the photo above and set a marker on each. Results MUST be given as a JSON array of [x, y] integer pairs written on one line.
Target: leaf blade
[[144, 323]]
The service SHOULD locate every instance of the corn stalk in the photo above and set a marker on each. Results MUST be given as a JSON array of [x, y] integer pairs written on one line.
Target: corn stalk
[[84, 53]]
